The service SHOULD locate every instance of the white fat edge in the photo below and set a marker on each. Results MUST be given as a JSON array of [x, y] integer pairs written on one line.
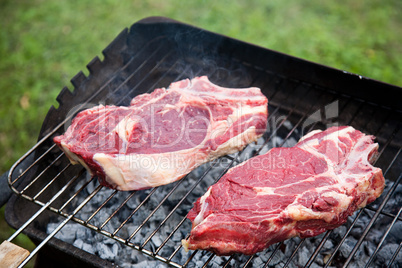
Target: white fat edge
[[299, 212], [121, 171], [74, 159], [222, 90], [239, 109], [136, 171], [236, 143], [332, 136], [154, 176], [308, 135], [242, 110], [113, 173], [200, 217]]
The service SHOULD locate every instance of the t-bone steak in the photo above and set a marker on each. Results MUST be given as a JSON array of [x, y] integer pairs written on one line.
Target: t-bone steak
[[164, 135], [299, 191]]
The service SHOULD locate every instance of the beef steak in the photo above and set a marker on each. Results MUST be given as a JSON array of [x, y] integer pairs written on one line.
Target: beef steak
[[299, 191], [164, 135]]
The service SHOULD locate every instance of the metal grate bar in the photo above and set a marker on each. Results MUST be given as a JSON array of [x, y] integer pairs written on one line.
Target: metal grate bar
[[121, 205], [133, 212], [227, 263], [76, 193], [273, 254], [298, 124], [315, 253], [32, 218], [136, 209], [315, 123], [294, 253], [50, 182], [100, 207], [343, 239], [189, 259], [249, 260], [170, 235], [156, 208], [208, 261], [33, 164], [132, 75], [40, 174], [175, 208], [384, 213], [38, 202], [184, 218], [61, 225], [393, 258], [115, 212], [391, 191], [383, 238], [273, 133]]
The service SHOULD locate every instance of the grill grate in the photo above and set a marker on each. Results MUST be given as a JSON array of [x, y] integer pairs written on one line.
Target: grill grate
[[153, 221]]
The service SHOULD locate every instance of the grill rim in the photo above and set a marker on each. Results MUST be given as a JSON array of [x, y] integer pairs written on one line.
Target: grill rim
[[80, 79]]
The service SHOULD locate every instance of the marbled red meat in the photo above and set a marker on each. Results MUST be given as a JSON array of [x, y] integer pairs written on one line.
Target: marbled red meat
[[164, 135], [299, 191]]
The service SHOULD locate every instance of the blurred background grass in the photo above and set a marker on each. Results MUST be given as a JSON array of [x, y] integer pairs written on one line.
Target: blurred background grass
[[43, 44]]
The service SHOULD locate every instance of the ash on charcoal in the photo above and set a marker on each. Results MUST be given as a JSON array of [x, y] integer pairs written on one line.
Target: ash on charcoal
[[250, 150], [303, 256], [107, 252], [66, 234], [396, 232], [84, 246], [385, 254], [347, 247]]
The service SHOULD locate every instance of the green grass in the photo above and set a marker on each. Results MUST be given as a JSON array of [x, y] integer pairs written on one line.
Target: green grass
[[43, 44]]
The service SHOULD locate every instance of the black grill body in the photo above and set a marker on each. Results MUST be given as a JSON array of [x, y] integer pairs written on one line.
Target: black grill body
[[157, 51]]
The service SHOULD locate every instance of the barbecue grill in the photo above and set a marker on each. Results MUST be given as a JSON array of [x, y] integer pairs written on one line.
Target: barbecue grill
[[76, 222]]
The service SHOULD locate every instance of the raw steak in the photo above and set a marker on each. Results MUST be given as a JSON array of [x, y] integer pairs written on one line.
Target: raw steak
[[164, 135], [299, 191]]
